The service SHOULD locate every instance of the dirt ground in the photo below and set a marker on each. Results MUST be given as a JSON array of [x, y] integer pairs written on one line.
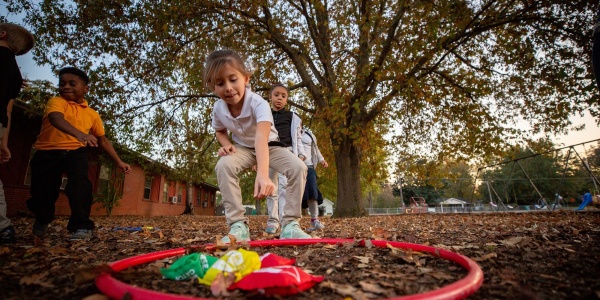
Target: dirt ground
[[541, 255]]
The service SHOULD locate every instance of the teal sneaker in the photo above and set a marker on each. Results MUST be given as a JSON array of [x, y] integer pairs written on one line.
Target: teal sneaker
[[240, 231], [293, 231], [271, 229]]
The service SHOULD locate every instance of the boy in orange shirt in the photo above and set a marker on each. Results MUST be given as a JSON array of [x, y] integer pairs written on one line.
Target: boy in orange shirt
[[68, 126]]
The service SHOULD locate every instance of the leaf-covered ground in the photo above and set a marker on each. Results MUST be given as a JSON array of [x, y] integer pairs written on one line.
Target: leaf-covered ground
[[523, 255]]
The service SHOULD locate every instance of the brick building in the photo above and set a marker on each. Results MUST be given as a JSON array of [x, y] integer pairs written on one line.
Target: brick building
[[143, 194]]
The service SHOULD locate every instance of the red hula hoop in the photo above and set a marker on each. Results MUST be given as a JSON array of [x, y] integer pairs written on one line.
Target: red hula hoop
[[460, 289]]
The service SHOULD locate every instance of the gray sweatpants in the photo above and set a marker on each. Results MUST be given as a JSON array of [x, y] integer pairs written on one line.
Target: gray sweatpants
[[281, 160]]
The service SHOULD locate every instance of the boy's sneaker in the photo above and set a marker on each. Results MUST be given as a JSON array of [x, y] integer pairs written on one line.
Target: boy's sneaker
[[81, 234], [293, 231], [240, 231], [8, 235], [315, 225], [271, 229], [39, 229]]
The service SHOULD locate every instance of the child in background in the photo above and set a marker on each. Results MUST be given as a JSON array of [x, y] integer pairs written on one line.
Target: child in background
[[289, 129], [312, 196], [68, 126], [255, 142], [14, 40]]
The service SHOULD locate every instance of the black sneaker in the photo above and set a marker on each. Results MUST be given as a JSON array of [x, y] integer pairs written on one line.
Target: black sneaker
[[39, 229], [8, 235]]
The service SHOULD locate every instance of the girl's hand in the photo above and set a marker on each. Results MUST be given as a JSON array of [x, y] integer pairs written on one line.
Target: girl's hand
[[226, 150], [324, 164], [263, 187]]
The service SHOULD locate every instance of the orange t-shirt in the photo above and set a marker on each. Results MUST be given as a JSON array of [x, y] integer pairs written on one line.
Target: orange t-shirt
[[80, 115]]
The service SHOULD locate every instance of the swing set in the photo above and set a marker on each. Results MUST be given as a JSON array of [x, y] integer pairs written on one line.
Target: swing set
[[497, 202]]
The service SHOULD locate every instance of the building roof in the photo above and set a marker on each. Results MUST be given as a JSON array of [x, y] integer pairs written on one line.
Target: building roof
[[453, 201]]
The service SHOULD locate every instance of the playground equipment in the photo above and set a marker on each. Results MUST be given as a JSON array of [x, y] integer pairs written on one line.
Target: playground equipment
[[417, 206], [541, 203]]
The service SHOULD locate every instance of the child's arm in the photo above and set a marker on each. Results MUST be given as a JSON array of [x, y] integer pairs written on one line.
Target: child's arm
[[320, 157], [226, 146], [299, 145], [4, 151], [263, 186], [106, 145], [57, 120]]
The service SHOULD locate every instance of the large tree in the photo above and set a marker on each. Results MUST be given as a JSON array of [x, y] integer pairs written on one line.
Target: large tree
[[449, 76]]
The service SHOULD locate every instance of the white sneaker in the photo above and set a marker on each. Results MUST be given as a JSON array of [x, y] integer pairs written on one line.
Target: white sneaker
[[81, 234], [316, 224], [293, 231]]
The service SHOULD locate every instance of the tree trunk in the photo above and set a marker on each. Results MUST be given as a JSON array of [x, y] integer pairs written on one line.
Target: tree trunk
[[349, 198], [189, 206]]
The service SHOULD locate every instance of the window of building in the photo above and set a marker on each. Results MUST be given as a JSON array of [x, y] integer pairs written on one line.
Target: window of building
[[198, 196], [179, 194], [165, 192], [147, 187], [103, 179], [63, 185]]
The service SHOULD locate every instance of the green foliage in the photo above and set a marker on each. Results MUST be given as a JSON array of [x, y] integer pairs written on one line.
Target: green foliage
[[110, 194], [36, 94], [445, 78]]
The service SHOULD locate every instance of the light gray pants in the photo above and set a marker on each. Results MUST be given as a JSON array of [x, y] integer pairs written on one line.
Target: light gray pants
[[275, 204], [281, 160], [4, 221]]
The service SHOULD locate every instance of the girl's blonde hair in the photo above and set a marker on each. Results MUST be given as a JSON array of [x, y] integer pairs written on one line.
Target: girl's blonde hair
[[217, 60]]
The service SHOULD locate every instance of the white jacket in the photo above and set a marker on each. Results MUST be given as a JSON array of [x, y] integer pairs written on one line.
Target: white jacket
[[315, 154]]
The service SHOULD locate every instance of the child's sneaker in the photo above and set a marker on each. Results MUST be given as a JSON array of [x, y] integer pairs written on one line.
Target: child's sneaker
[[271, 229], [39, 229], [81, 234], [8, 235], [315, 225], [240, 231], [293, 231]]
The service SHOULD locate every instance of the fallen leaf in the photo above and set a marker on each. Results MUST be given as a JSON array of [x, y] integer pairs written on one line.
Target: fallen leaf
[[362, 259], [372, 287], [441, 275], [85, 275], [36, 279], [96, 297], [486, 257], [513, 240]]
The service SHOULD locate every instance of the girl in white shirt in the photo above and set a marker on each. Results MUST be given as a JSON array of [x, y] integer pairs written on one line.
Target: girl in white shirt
[[255, 142]]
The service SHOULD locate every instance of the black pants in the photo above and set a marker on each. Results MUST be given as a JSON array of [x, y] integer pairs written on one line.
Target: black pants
[[47, 167]]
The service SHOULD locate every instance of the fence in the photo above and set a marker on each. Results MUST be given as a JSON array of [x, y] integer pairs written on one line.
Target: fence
[[469, 209]]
